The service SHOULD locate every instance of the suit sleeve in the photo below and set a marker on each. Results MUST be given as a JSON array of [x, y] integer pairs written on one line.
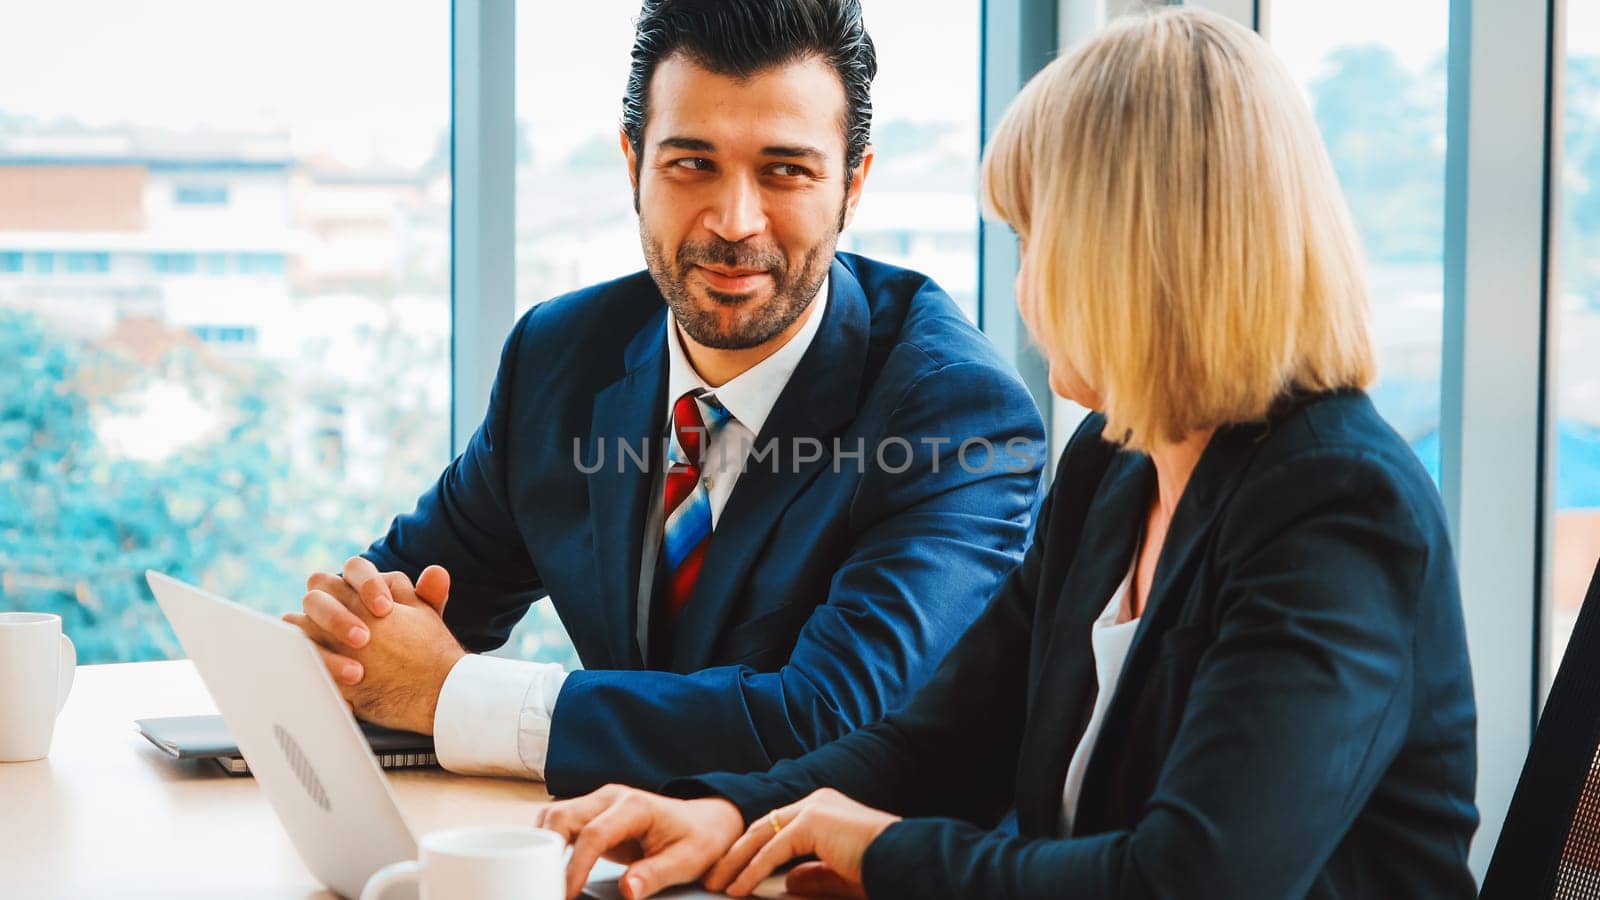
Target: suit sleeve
[[952, 751], [931, 547], [464, 523], [1296, 710], [963, 729]]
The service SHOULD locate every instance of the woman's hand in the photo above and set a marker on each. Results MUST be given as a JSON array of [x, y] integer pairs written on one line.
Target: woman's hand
[[665, 841], [826, 824]]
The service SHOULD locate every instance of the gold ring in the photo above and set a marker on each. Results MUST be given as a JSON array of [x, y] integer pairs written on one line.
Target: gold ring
[[772, 819]]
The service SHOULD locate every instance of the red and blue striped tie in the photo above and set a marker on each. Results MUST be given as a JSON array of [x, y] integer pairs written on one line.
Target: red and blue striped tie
[[687, 505]]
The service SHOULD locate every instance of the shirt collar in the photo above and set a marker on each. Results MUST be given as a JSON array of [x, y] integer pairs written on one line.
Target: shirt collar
[[751, 395]]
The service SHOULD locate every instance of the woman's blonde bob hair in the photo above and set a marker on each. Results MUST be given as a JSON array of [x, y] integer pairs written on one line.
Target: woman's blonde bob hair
[[1189, 254]]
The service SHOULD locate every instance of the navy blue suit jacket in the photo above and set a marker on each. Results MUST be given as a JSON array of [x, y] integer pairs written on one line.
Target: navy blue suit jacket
[[1295, 718], [831, 588]]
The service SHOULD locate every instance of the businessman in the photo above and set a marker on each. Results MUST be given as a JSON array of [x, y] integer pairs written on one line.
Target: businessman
[[765, 484]]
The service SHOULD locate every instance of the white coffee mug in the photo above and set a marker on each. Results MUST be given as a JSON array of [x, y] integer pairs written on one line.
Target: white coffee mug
[[36, 665], [489, 862]]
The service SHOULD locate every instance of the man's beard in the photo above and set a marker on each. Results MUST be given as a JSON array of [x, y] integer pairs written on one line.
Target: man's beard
[[758, 323]]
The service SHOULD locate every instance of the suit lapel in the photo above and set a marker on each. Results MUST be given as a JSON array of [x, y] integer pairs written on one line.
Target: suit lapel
[[1064, 692], [630, 410], [1209, 486], [821, 396]]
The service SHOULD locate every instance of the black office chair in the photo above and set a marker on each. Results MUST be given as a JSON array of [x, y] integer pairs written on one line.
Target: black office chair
[[1550, 844]]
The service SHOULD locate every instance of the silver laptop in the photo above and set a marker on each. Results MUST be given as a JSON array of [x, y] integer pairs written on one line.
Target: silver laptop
[[302, 743]]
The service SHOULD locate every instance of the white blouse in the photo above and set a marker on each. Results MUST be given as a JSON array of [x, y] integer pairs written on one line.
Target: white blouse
[[1111, 641]]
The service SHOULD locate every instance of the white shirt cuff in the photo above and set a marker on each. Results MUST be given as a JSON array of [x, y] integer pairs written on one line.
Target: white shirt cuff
[[494, 715]]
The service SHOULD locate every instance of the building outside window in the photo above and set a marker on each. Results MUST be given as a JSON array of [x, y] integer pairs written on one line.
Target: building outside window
[[195, 269]]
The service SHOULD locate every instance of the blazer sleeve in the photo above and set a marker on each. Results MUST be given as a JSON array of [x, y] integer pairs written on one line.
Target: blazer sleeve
[[1295, 711], [932, 544], [953, 750], [464, 523]]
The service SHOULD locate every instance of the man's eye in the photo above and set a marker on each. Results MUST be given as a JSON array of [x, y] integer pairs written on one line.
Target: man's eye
[[693, 163], [789, 171]]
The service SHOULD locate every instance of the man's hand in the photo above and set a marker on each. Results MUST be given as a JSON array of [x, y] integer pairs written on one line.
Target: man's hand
[[665, 841], [383, 640]]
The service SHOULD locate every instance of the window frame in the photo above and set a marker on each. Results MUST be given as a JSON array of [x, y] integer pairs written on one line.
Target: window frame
[[483, 68], [1019, 37]]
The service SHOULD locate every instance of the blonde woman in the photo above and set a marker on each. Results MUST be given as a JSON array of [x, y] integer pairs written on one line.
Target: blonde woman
[[1232, 664]]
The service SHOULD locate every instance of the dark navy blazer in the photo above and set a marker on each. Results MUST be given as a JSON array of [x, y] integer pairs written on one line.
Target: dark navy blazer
[[832, 587], [1295, 718]]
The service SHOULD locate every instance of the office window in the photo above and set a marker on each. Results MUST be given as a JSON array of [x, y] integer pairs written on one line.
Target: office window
[[225, 334], [1576, 331], [920, 206], [201, 195], [87, 263], [259, 263], [575, 219], [1374, 73], [170, 416], [174, 263]]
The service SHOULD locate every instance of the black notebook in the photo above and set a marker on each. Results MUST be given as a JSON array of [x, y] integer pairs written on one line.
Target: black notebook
[[207, 737]]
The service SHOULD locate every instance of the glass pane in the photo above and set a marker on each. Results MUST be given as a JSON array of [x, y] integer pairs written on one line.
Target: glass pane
[[1374, 73], [575, 220], [1577, 323], [920, 206], [224, 298]]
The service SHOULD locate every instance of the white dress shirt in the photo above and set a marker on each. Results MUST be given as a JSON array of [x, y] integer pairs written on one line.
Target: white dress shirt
[[1111, 641], [494, 714]]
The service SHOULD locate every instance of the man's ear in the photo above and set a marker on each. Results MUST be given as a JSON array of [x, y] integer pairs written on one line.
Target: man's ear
[[631, 157], [858, 179]]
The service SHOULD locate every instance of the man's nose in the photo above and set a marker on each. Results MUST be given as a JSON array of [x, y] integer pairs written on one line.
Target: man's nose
[[736, 213]]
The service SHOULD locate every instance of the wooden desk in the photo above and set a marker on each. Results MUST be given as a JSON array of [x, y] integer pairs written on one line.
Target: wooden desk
[[109, 815]]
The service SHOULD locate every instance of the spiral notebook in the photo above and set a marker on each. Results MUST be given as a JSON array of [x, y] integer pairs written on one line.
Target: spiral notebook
[[207, 737]]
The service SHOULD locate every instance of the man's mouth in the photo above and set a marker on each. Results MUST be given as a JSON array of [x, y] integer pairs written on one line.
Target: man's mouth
[[733, 280]]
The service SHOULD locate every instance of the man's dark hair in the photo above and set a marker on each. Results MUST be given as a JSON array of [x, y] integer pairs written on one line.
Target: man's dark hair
[[742, 38]]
